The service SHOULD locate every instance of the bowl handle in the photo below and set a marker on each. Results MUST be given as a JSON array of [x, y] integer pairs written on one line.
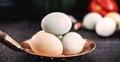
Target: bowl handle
[[9, 42]]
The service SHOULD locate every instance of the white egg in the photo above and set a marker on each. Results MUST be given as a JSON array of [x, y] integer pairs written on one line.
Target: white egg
[[56, 23], [73, 43], [90, 20], [105, 27], [116, 17], [46, 44]]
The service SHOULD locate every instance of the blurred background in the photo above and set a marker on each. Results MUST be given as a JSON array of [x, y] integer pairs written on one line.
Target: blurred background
[[14, 10], [21, 20]]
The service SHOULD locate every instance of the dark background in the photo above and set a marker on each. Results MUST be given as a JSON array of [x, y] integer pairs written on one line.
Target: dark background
[[21, 21], [25, 9]]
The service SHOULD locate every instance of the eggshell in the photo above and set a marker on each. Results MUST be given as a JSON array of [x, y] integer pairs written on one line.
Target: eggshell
[[116, 17], [105, 27], [56, 23], [90, 20], [46, 44], [73, 43]]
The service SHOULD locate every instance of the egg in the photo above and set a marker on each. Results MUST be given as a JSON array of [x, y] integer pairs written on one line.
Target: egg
[[46, 44], [90, 20], [56, 23], [73, 43], [105, 27], [116, 17]]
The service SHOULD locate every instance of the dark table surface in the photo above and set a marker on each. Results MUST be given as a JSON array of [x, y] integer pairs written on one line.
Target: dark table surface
[[107, 50]]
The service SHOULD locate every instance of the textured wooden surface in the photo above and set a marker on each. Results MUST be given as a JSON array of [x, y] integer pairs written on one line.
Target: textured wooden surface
[[107, 50]]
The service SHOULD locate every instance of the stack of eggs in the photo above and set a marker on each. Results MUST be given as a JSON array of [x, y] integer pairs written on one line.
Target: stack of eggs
[[55, 38]]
